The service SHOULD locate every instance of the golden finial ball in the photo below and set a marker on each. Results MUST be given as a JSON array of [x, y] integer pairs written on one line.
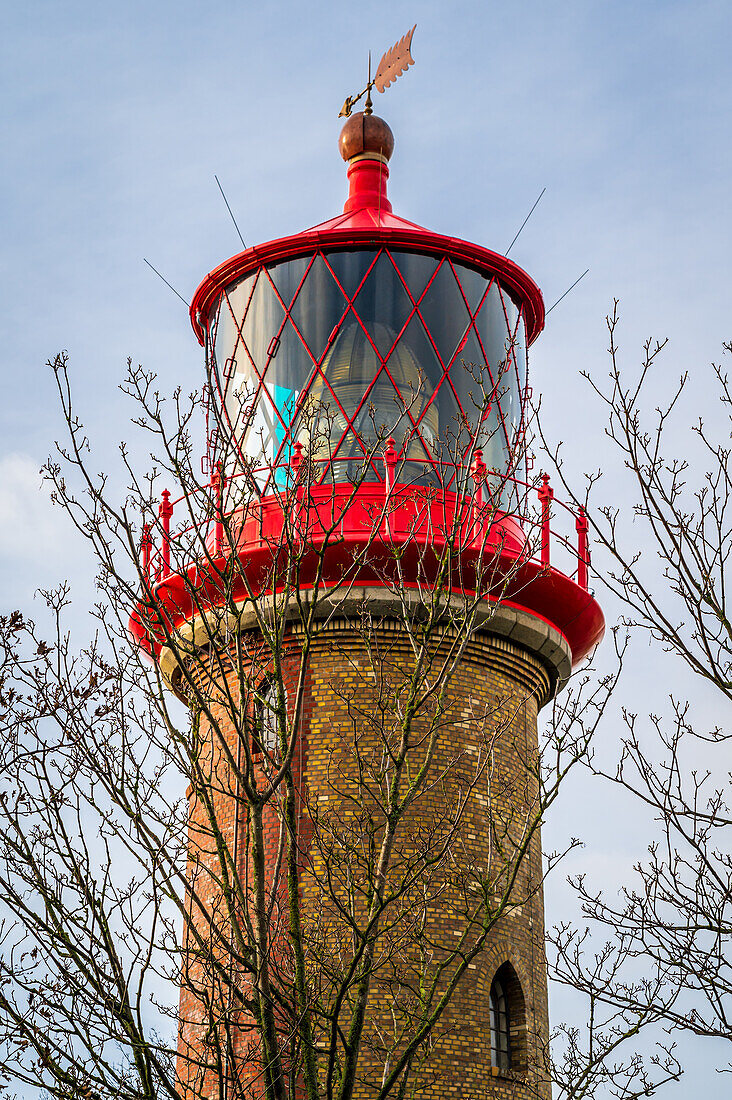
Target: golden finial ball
[[363, 134]]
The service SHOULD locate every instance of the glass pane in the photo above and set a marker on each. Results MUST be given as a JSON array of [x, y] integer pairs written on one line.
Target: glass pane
[[381, 414], [478, 399], [416, 270], [321, 421], [444, 312], [471, 379], [233, 306], [344, 458], [337, 390], [225, 335], [511, 310], [350, 268], [262, 322], [238, 377], [265, 431], [500, 1033], [492, 328], [211, 333], [509, 401], [288, 276], [472, 283], [498, 346], [383, 304], [267, 733], [417, 343], [241, 392], [318, 307], [351, 364], [288, 374], [444, 430], [521, 355], [290, 366], [406, 370]]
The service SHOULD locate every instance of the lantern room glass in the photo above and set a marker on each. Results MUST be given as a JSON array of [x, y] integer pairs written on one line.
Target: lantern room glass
[[340, 350]]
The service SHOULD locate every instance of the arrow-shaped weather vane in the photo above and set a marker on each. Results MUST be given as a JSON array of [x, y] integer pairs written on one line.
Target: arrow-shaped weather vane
[[394, 62]]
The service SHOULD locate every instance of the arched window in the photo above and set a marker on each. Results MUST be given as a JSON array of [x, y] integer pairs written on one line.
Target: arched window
[[266, 734], [500, 1028], [509, 1049]]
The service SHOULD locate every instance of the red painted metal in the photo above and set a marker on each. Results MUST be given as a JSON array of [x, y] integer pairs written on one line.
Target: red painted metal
[[546, 496], [390, 463], [583, 549], [297, 460], [146, 551], [218, 484], [367, 186], [370, 228], [166, 512], [391, 458], [479, 473], [418, 524]]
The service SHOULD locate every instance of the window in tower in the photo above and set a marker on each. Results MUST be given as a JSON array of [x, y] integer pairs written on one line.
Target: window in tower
[[266, 733], [508, 1023], [500, 1028]]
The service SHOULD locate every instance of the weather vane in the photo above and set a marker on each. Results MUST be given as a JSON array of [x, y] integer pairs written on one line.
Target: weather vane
[[394, 62]]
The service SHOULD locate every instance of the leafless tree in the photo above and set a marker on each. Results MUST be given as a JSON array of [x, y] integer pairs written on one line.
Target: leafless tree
[[153, 844], [667, 937]]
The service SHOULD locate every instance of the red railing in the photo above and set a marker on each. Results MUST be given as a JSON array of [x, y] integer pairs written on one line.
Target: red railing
[[156, 562]]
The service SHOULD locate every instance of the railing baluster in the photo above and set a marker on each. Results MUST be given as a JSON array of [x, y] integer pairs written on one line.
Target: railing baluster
[[546, 495], [146, 551], [583, 548], [297, 465], [218, 484], [296, 461], [166, 511], [479, 472], [390, 461]]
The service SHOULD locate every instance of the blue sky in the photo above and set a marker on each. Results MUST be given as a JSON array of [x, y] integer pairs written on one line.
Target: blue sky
[[116, 117]]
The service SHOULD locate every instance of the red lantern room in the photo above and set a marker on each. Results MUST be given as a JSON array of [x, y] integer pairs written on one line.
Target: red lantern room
[[385, 355], [372, 318]]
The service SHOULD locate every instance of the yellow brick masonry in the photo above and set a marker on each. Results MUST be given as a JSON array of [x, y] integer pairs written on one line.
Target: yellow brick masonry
[[487, 746]]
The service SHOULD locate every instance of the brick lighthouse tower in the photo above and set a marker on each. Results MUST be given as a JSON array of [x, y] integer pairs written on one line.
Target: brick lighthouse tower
[[361, 610]]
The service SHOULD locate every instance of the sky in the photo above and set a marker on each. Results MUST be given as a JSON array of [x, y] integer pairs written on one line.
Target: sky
[[115, 119]]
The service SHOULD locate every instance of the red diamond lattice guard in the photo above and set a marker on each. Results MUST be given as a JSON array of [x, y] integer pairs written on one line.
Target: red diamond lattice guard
[[392, 329]]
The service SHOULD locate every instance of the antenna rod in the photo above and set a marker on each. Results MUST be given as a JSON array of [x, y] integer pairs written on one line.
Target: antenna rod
[[223, 196], [574, 284], [523, 223], [368, 108], [185, 303]]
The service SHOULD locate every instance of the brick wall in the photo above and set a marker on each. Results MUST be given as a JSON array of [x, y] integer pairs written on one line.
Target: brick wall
[[480, 794]]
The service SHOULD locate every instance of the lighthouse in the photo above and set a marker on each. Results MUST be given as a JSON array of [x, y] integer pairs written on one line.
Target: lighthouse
[[363, 610]]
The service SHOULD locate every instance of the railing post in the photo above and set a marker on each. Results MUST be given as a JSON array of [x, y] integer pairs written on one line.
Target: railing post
[[166, 511], [546, 495], [218, 484], [583, 548], [297, 463], [390, 462], [479, 472], [146, 551]]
